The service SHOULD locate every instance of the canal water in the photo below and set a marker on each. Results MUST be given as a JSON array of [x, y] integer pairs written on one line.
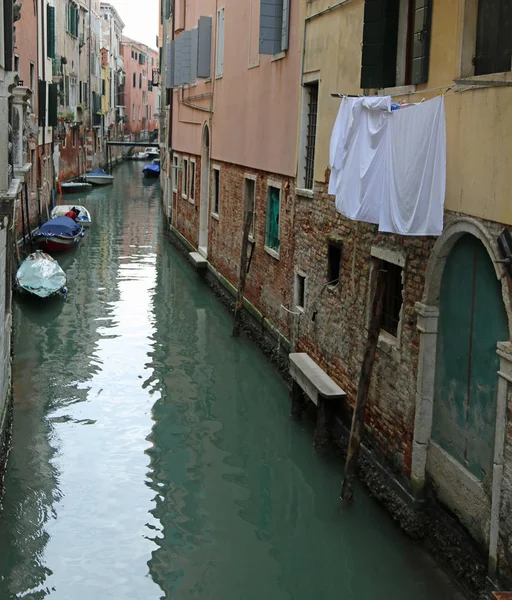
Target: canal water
[[153, 455]]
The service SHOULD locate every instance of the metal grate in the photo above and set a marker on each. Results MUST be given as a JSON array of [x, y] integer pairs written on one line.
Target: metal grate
[[392, 298], [311, 136]]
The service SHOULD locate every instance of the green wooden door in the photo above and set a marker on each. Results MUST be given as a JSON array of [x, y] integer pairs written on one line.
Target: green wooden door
[[472, 320]]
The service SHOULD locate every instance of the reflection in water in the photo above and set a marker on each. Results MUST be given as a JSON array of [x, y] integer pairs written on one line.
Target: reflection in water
[[153, 456]]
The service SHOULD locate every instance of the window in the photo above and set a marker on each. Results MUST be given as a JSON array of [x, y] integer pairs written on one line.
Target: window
[[216, 190], [175, 165], [300, 290], [492, 53], [250, 202], [192, 184], [135, 56], [184, 190], [396, 42], [16, 63], [139, 112], [75, 136], [73, 91], [219, 57], [103, 87], [32, 76], [333, 263], [135, 80], [72, 17], [272, 218], [274, 26], [311, 106], [140, 81], [132, 53], [133, 112], [392, 298], [50, 31]]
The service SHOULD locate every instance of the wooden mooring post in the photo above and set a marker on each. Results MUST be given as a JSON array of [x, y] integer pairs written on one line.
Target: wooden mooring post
[[245, 263], [357, 429]]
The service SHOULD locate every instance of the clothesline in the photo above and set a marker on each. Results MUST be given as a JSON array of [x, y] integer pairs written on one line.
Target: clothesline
[[438, 89]]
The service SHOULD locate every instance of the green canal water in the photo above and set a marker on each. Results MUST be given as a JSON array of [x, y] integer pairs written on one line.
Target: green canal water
[[153, 455]]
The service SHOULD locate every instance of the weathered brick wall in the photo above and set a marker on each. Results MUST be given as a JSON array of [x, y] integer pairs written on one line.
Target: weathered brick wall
[[270, 279], [337, 335], [185, 214]]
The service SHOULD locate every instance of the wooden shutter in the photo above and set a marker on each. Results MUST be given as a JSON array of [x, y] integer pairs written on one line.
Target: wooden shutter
[[421, 40], [493, 41], [204, 47], [8, 36], [194, 38], [271, 26], [380, 38], [219, 69], [66, 90], [41, 99], [52, 105], [50, 31], [167, 9], [285, 28]]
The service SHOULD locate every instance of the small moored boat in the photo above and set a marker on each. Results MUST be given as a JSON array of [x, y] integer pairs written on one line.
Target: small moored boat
[[152, 170], [84, 216], [152, 152], [60, 233], [40, 275], [98, 177], [71, 187]]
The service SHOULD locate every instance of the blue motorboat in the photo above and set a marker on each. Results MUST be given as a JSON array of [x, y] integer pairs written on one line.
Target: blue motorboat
[[152, 170], [60, 233]]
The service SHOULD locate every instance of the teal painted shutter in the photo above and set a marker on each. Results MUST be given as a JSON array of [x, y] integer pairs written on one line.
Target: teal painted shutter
[[271, 26], [204, 47], [50, 31], [421, 41], [380, 39], [272, 221], [52, 105], [41, 99], [66, 91]]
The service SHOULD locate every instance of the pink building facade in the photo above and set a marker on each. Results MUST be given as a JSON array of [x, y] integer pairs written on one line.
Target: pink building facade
[[138, 94], [231, 127]]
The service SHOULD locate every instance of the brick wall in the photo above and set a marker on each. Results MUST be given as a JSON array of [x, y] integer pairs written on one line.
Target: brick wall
[[336, 337], [269, 282]]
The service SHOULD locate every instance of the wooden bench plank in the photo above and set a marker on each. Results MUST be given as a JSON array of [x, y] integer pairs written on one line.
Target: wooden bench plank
[[312, 379]]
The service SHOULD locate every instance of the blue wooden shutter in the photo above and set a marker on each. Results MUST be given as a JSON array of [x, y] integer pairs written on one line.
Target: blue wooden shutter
[[52, 105], [380, 38], [271, 26], [194, 38], [421, 42], [168, 66], [204, 47], [50, 31]]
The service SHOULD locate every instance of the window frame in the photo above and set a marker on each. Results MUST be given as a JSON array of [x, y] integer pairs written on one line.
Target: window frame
[[300, 275], [175, 170], [305, 124], [220, 42], [192, 180], [279, 186], [216, 194], [184, 178], [330, 280], [387, 341], [253, 178]]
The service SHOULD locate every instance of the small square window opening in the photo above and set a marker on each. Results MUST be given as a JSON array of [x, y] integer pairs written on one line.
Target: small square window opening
[[333, 264], [300, 290]]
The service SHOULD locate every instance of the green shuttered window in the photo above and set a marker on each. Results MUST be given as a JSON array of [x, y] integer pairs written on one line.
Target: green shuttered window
[[50, 31], [381, 47], [272, 220], [52, 105]]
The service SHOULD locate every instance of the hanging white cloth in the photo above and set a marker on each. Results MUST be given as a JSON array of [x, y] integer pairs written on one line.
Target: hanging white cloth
[[357, 157], [416, 168], [389, 168]]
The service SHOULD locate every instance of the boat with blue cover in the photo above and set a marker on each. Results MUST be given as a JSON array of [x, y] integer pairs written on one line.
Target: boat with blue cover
[[152, 170], [98, 177], [57, 234]]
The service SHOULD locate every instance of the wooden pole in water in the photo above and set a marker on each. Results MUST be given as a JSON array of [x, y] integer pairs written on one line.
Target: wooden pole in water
[[244, 268], [357, 429]]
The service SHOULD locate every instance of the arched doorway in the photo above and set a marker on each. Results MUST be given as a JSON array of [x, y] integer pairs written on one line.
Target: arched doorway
[[464, 323], [472, 320], [205, 193]]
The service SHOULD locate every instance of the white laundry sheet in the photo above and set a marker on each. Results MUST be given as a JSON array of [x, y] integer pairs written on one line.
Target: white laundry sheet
[[389, 167]]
